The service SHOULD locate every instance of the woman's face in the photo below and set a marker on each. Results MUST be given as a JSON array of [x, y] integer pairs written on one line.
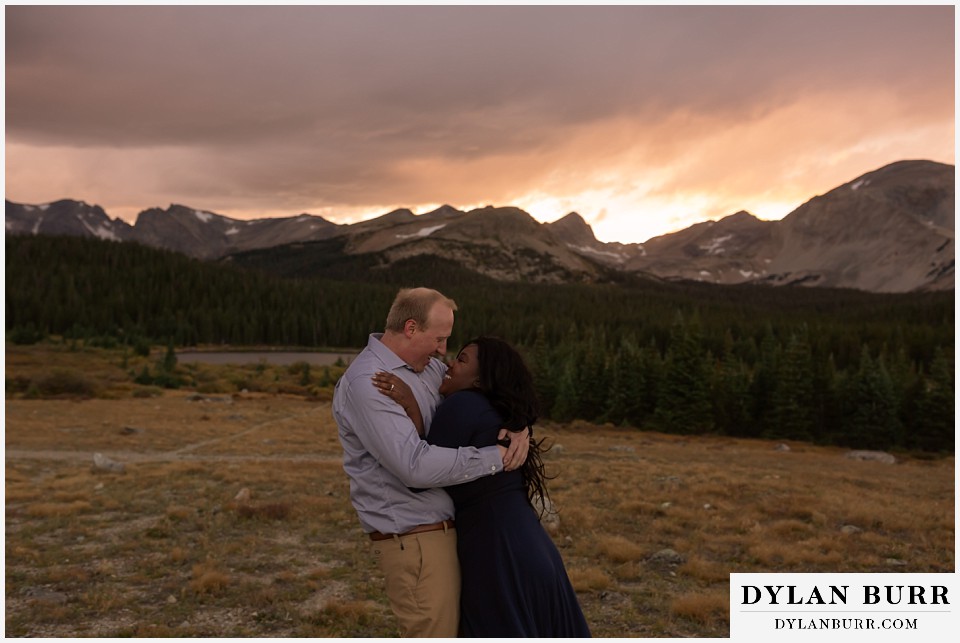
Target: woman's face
[[463, 373]]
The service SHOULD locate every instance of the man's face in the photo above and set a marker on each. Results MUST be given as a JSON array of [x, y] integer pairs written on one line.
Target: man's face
[[431, 340]]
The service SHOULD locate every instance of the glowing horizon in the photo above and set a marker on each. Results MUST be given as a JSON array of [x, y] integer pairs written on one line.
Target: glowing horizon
[[643, 119]]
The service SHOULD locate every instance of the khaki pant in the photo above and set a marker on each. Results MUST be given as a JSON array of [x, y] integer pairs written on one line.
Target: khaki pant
[[423, 582]]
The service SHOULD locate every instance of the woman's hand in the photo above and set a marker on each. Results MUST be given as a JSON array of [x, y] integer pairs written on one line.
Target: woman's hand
[[399, 391], [394, 388], [516, 453]]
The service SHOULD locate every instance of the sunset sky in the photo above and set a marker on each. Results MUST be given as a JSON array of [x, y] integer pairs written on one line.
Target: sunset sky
[[643, 119]]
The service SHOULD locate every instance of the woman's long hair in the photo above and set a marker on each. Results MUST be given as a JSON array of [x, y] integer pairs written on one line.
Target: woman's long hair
[[508, 384]]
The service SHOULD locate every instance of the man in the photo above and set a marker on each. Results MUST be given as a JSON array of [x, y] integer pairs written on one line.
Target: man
[[394, 474]]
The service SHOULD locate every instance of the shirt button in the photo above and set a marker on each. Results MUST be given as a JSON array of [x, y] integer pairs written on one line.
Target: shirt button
[[493, 467]]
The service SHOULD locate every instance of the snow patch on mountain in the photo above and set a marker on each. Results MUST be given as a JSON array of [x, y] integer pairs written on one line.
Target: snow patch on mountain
[[422, 232], [99, 231], [616, 256], [715, 246], [203, 216]]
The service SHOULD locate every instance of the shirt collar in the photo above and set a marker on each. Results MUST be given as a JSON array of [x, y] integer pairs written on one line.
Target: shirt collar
[[390, 359]]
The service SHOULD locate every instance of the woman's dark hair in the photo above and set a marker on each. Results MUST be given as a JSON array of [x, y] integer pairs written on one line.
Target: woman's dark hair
[[506, 381]]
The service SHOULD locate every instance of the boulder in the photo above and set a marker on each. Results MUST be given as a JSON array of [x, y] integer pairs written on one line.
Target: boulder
[[871, 456], [104, 463], [666, 557]]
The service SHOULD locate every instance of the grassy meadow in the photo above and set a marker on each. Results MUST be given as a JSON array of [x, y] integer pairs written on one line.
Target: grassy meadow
[[232, 514]]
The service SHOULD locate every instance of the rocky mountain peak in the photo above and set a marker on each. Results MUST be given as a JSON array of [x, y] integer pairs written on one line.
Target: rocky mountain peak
[[500, 221], [740, 217], [400, 215], [573, 229], [64, 217], [889, 230], [443, 212]]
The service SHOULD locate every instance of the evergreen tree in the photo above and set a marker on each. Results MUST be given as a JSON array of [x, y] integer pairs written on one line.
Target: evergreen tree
[[792, 400], [873, 421], [683, 405], [935, 425], [567, 404], [650, 378], [826, 400], [592, 378], [543, 371], [169, 359], [730, 392], [305, 378], [764, 383], [904, 382], [625, 383]]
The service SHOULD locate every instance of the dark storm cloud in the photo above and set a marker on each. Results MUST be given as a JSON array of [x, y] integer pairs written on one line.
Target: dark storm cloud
[[332, 98], [135, 75]]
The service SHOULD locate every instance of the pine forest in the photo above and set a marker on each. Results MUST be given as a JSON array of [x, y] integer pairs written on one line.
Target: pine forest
[[865, 370]]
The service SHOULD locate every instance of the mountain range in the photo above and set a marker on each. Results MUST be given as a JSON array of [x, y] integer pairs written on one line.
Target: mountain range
[[890, 230]]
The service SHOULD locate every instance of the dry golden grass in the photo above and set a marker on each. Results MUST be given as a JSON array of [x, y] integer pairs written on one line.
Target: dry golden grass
[[704, 570], [588, 579], [208, 579], [167, 549], [701, 606], [620, 550], [56, 509]]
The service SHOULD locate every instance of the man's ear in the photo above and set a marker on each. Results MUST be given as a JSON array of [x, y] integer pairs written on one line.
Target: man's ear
[[409, 328]]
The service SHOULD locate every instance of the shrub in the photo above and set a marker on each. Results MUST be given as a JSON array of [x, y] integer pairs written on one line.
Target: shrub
[[298, 367], [160, 377], [167, 380], [207, 579], [66, 382], [103, 341], [701, 606], [591, 578], [18, 384], [267, 511], [26, 335], [213, 386], [141, 347], [57, 509]]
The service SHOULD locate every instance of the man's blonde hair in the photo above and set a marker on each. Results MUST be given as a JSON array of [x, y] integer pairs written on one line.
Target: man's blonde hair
[[415, 304]]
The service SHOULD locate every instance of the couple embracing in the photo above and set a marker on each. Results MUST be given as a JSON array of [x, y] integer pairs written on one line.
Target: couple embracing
[[443, 471]]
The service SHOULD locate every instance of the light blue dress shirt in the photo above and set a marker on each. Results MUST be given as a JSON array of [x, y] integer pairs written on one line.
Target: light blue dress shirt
[[393, 472]]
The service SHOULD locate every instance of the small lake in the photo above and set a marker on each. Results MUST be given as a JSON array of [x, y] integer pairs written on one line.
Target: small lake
[[279, 358]]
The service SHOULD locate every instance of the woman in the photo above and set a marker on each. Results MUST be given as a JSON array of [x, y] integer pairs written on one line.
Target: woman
[[512, 577]]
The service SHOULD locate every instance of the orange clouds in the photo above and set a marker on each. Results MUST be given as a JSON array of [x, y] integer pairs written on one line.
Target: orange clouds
[[643, 119]]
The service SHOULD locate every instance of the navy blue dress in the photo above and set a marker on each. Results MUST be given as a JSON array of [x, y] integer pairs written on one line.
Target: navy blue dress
[[513, 579]]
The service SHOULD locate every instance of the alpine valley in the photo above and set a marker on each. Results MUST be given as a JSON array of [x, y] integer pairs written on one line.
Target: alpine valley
[[890, 230]]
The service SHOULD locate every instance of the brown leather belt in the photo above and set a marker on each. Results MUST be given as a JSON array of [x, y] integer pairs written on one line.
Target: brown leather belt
[[443, 524]]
